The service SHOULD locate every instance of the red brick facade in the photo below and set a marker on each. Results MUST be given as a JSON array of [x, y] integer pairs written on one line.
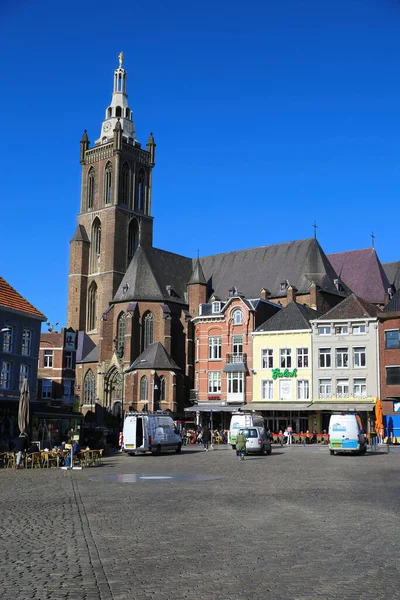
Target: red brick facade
[[388, 357], [56, 368]]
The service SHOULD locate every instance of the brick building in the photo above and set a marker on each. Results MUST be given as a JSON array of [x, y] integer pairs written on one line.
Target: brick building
[[389, 360], [56, 372]]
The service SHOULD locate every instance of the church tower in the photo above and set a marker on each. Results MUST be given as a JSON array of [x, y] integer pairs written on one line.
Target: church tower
[[115, 211]]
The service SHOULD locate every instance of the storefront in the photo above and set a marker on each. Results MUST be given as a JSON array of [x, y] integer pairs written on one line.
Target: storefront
[[212, 414]]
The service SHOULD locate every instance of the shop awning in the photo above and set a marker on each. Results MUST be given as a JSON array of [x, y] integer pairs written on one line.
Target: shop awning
[[277, 406], [344, 406], [208, 406], [235, 368]]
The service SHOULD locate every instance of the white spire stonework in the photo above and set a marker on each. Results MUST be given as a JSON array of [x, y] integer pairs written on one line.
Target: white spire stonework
[[118, 109]]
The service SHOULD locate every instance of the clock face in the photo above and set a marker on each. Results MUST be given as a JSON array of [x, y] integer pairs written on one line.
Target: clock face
[[107, 126], [128, 126]]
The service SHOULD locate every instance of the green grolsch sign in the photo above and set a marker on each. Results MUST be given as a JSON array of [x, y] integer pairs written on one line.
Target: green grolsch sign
[[286, 373]]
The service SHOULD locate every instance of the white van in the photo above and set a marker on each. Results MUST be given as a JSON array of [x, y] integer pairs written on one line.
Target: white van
[[150, 433], [242, 420], [345, 434]]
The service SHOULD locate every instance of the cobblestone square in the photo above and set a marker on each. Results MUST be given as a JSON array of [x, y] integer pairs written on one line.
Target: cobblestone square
[[297, 525]]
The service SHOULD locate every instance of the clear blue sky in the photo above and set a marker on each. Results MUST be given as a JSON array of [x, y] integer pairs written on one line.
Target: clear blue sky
[[266, 114]]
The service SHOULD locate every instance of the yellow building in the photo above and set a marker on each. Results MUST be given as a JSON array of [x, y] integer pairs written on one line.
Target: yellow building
[[282, 370]]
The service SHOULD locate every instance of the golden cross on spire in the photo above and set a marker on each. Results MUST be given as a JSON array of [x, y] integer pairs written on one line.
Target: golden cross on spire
[[121, 59]]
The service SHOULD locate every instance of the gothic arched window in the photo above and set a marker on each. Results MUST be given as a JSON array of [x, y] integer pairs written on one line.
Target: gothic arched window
[[92, 307], [90, 189], [147, 330], [237, 316], [140, 187], [125, 184], [121, 328], [118, 112], [109, 112], [108, 184], [89, 389], [162, 389], [95, 246], [144, 388], [133, 238], [128, 113]]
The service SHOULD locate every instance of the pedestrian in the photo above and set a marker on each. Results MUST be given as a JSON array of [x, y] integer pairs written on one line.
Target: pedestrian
[[240, 445], [20, 447], [289, 436], [280, 437], [285, 436], [206, 438]]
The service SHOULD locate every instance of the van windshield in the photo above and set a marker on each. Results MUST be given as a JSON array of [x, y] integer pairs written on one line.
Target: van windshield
[[249, 433]]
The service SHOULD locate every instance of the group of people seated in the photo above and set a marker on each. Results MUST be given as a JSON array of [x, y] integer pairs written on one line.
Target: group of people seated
[[195, 436]]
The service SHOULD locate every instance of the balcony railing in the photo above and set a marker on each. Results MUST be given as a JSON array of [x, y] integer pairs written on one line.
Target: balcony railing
[[343, 396], [236, 357]]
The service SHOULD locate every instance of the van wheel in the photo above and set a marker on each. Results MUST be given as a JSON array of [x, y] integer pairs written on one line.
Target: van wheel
[[158, 450], [178, 448], [331, 452]]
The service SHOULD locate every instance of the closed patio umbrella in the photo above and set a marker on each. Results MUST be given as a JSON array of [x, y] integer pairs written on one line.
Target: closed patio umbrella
[[378, 416], [23, 408]]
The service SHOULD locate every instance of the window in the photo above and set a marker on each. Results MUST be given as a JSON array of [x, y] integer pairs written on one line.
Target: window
[[216, 307], [267, 358], [92, 307], [89, 388], [325, 361], [162, 389], [108, 184], [359, 359], [133, 238], [285, 358], [8, 338], [325, 388], [342, 358], [5, 375], [237, 317], [140, 191], [267, 389], [392, 339], [342, 388], [67, 388], [144, 388], [237, 345], [125, 184], [23, 374], [302, 358], [214, 348], [95, 246], [235, 383], [121, 328], [303, 389], [69, 360], [118, 112], [392, 375], [358, 329], [324, 330], [48, 359], [147, 330], [26, 342], [360, 388], [214, 382], [47, 386], [90, 189], [341, 329]]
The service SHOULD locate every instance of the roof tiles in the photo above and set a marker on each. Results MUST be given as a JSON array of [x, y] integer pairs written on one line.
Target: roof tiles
[[10, 298]]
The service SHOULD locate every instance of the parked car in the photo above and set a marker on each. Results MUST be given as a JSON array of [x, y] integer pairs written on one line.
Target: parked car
[[258, 441]]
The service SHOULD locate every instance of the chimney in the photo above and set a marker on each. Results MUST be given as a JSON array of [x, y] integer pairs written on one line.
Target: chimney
[[291, 293], [265, 294], [313, 296]]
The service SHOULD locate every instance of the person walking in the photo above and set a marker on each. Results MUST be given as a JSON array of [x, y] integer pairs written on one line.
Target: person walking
[[280, 437], [206, 438], [240, 445], [289, 432], [20, 447]]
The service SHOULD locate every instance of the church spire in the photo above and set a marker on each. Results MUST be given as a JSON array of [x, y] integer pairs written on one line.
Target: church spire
[[118, 109], [197, 277]]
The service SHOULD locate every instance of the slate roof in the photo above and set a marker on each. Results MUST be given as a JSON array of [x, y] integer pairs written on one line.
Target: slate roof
[[80, 235], [154, 357], [394, 304], [197, 274], [362, 272], [150, 273], [392, 270], [351, 307], [10, 298], [291, 317], [300, 263], [85, 348]]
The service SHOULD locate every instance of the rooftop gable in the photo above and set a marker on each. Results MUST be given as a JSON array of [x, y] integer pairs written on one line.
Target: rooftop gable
[[351, 307], [294, 316], [11, 299], [154, 357]]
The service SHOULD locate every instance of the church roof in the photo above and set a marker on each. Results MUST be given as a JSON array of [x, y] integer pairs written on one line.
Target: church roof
[[80, 235], [394, 304], [197, 274], [86, 349], [155, 274], [291, 317], [300, 263], [362, 272], [351, 307], [10, 298], [392, 270], [154, 357]]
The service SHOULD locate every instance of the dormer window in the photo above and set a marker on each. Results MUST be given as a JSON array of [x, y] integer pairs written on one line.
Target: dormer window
[[237, 316], [283, 286], [216, 307]]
